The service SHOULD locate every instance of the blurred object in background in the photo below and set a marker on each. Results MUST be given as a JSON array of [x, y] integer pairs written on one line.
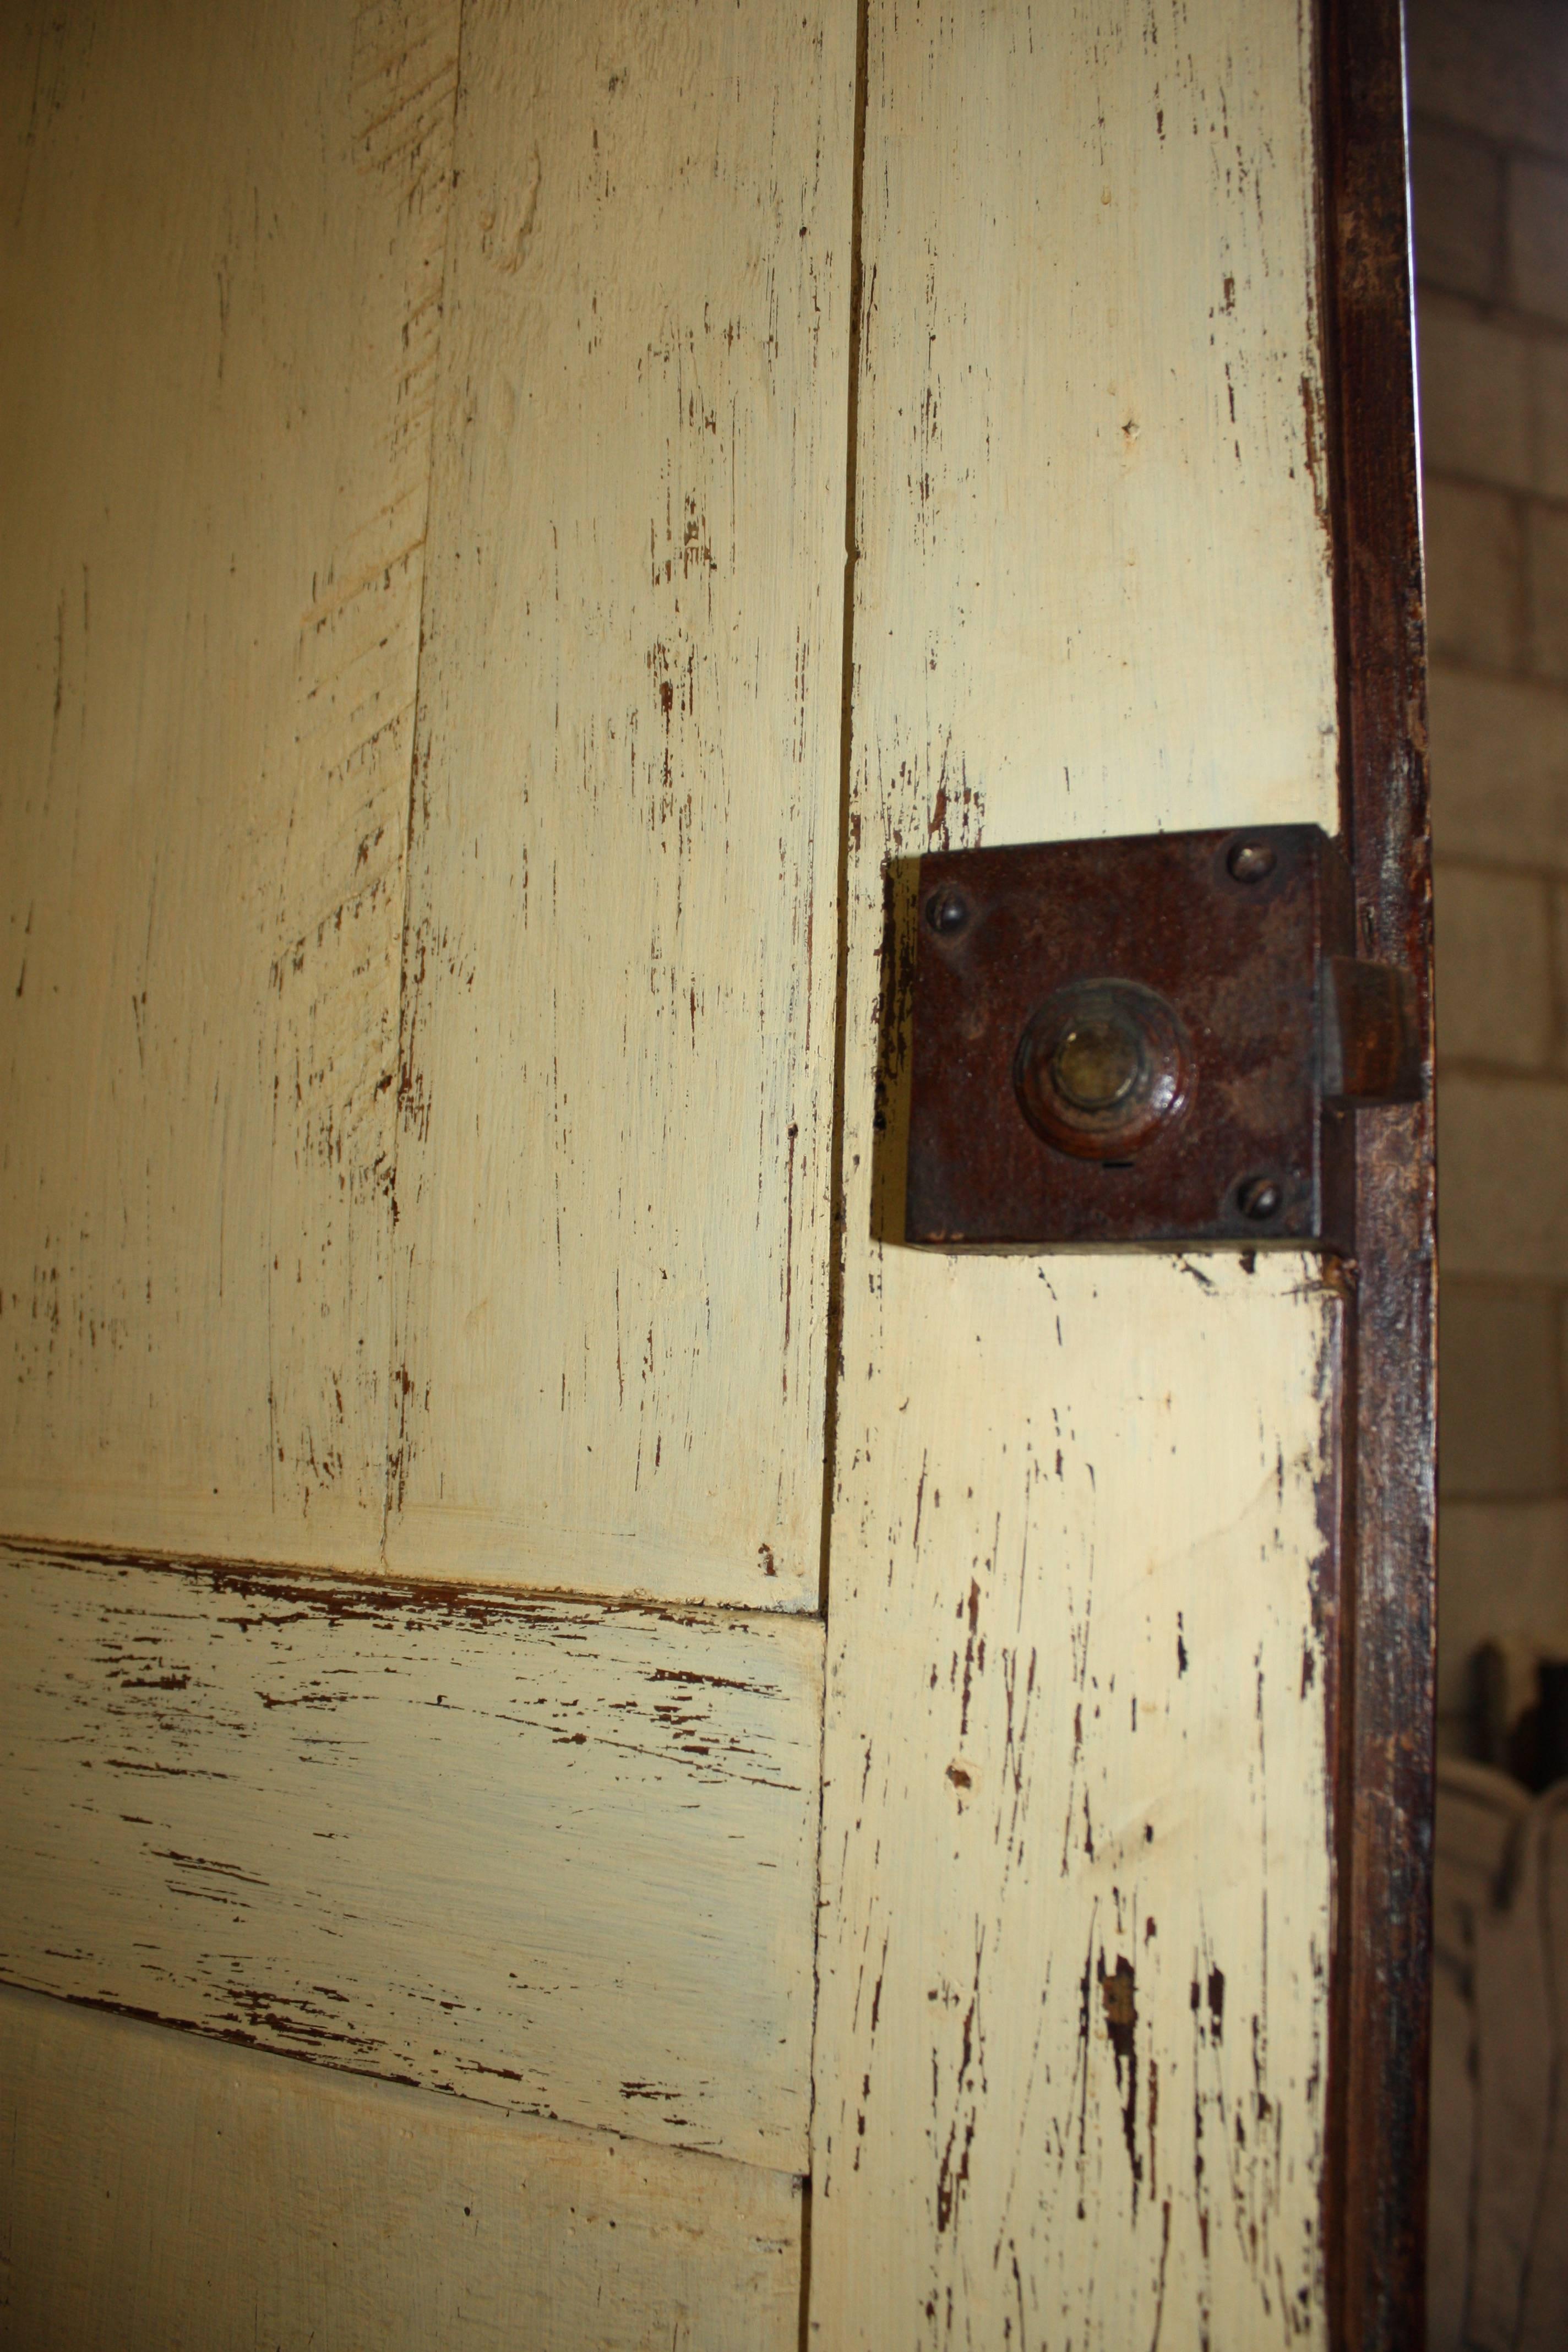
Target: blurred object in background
[[1522, 1711], [1497, 2254], [1488, 98]]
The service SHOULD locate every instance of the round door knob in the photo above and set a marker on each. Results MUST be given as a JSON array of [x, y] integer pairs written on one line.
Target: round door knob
[[1102, 1067]]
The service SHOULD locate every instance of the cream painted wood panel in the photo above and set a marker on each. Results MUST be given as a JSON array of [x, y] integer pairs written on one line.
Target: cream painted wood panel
[[160, 2194], [614, 1161], [555, 1856], [222, 261], [1073, 1964]]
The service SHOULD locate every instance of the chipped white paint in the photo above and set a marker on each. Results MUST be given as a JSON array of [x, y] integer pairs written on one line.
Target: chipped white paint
[[553, 1855], [162, 2195], [224, 233], [1072, 2008], [613, 1165], [1072, 2038], [557, 1855]]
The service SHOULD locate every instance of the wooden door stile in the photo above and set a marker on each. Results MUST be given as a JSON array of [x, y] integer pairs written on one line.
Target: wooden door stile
[[1072, 2010], [1386, 1667]]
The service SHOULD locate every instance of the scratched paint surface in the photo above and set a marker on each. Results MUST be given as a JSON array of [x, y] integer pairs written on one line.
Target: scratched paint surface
[[1072, 2007], [220, 2197], [613, 1163], [554, 1856], [224, 235], [1071, 2029], [1071, 2055]]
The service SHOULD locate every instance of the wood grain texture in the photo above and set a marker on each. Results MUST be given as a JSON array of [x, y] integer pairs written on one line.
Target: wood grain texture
[[222, 233], [558, 1857], [1073, 1998], [1379, 2055], [158, 2194], [618, 1052]]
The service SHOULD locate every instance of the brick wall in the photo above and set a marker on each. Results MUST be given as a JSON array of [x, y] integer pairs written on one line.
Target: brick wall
[[1490, 137]]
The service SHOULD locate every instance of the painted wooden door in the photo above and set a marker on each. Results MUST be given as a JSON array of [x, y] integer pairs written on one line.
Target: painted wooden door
[[713, 1733]]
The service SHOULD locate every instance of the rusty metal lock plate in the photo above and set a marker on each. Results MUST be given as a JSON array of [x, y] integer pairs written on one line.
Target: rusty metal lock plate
[[1157, 1040]]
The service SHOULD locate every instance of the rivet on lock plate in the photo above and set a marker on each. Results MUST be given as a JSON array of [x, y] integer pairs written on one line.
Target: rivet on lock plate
[[1160, 1040]]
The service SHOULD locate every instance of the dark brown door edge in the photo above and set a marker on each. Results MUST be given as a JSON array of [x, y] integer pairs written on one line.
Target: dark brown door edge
[[1382, 1691]]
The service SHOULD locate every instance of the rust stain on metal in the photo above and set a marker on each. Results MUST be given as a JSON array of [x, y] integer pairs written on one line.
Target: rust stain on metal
[[1157, 1039]]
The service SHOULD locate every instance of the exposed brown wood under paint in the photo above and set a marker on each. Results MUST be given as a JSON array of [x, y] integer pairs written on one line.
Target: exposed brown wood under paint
[[551, 1855], [1378, 2063], [218, 2198], [337, 1594], [1075, 1755]]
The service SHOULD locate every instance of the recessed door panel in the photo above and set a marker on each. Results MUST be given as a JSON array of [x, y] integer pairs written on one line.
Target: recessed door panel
[[617, 1082], [223, 254]]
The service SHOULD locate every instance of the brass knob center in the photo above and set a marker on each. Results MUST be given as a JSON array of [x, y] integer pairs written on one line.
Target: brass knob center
[[1102, 1067], [1097, 1062]]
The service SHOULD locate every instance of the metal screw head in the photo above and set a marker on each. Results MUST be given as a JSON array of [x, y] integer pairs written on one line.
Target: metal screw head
[[1260, 1198], [1252, 861], [947, 911]]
